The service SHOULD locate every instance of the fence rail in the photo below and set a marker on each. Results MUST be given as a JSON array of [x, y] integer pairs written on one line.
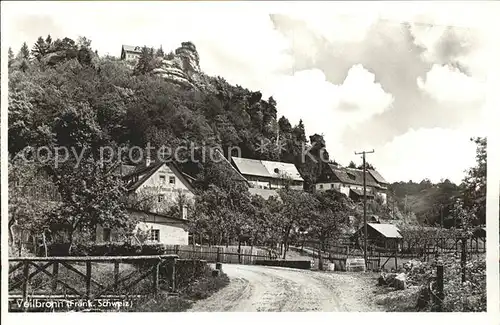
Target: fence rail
[[73, 276], [222, 254], [399, 250]]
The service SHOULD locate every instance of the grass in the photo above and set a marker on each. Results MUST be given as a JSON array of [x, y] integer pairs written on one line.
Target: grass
[[199, 289]]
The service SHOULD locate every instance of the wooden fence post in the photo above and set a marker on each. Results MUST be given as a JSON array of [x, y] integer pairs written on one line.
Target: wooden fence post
[[172, 275], [156, 278], [439, 286], [88, 278], [26, 270], [464, 257], [396, 258], [218, 255], [55, 274], [116, 275]]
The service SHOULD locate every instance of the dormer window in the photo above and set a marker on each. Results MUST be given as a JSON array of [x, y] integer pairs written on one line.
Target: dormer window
[[351, 176]]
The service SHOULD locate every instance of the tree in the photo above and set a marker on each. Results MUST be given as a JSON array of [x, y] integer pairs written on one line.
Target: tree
[[90, 197], [84, 42], [30, 201], [474, 183], [329, 218], [160, 52], [24, 52], [10, 57], [39, 49], [368, 166], [295, 212], [299, 132], [145, 63], [48, 40], [351, 165]]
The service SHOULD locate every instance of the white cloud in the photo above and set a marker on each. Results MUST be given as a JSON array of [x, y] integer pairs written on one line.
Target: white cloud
[[327, 108], [448, 84], [426, 153]]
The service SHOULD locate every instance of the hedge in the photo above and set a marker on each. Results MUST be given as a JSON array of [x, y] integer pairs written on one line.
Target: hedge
[[106, 249]]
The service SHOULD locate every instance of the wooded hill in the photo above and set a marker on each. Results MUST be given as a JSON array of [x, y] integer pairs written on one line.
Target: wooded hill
[[62, 93]]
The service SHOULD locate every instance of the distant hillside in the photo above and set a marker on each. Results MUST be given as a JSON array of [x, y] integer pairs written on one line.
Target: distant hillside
[[425, 200]]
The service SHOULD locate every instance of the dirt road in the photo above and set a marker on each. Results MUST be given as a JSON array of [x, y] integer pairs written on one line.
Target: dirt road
[[260, 288]]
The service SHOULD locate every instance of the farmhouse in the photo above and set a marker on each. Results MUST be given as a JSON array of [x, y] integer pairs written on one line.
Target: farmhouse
[[349, 181], [379, 235], [160, 195], [130, 52], [264, 174]]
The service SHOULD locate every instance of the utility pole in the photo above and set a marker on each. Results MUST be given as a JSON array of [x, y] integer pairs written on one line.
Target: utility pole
[[442, 219], [364, 203]]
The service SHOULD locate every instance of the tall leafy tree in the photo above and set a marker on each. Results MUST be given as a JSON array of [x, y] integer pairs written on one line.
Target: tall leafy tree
[[474, 183], [295, 213]]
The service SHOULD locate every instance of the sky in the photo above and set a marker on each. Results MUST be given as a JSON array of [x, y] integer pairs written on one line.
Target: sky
[[408, 80]]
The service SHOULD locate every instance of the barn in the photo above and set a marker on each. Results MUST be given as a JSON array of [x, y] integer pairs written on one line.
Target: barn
[[380, 235]]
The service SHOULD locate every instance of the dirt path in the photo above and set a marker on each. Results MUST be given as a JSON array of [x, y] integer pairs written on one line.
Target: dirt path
[[260, 288]]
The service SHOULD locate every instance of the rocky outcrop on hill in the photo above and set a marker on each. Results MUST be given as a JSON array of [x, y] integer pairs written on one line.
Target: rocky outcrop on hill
[[183, 67]]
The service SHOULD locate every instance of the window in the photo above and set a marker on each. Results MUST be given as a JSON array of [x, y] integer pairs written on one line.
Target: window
[[321, 186], [184, 212], [351, 176], [171, 180], [161, 197], [106, 234], [163, 179], [154, 235], [331, 186]]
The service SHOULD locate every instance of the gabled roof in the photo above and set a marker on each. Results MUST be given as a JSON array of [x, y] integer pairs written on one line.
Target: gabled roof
[[376, 175], [131, 48], [145, 172], [250, 167], [123, 169], [352, 176], [266, 168], [239, 177], [279, 169], [386, 230]]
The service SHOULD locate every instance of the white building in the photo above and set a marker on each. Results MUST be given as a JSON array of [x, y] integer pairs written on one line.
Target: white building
[[156, 188], [349, 181], [130, 52], [264, 174]]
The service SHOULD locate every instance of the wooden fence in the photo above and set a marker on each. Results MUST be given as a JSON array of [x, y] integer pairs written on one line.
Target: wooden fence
[[222, 254], [380, 257], [74, 277]]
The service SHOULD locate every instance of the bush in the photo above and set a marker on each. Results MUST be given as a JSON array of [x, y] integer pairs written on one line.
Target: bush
[[107, 249]]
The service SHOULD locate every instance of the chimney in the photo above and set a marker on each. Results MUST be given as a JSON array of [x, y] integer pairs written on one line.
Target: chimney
[[148, 159]]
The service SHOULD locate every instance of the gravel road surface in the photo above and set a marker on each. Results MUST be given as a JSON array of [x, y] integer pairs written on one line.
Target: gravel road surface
[[262, 288]]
